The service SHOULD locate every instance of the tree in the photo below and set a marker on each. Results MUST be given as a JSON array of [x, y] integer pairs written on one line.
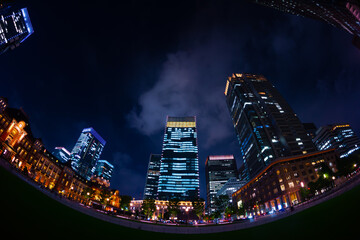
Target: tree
[[198, 207], [304, 193], [88, 193], [174, 207], [221, 203], [125, 202], [230, 210], [148, 207], [348, 164], [104, 197]]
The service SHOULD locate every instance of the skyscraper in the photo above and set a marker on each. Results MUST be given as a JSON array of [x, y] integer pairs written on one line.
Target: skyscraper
[[338, 136], [344, 14], [152, 177], [15, 27], [104, 169], [86, 152], [218, 170], [62, 154], [179, 167], [265, 124]]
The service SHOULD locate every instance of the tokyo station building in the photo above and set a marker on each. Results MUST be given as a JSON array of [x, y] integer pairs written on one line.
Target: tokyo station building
[[278, 185]]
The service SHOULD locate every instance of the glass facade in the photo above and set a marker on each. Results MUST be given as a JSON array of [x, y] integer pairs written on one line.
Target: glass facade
[[339, 136], [62, 154], [152, 177], [179, 167], [86, 152], [15, 27], [104, 169], [265, 124], [218, 170]]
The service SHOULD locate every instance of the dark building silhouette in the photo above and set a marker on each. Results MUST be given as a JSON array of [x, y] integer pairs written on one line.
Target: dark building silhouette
[[344, 14]]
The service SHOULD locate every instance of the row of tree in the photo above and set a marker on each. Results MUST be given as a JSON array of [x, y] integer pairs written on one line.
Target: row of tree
[[345, 166], [173, 208]]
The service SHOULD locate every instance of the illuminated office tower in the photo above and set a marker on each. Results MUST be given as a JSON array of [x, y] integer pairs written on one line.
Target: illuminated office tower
[[62, 154], [344, 14], [15, 27], [266, 126], [179, 167], [152, 177], [339, 136], [104, 169], [86, 152], [218, 170]]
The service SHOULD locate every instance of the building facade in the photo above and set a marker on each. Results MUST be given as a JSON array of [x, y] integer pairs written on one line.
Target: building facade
[[218, 170], [87, 152], [278, 185], [23, 151], [231, 186], [152, 177], [339, 136], [62, 154], [179, 167], [15, 27], [311, 129], [343, 14], [266, 126], [104, 169]]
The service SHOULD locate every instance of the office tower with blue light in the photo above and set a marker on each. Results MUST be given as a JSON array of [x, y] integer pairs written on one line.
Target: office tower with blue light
[[266, 126], [339, 136], [15, 27], [218, 170], [104, 169], [179, 167], [62, 154], [87, 152], [152, 177]]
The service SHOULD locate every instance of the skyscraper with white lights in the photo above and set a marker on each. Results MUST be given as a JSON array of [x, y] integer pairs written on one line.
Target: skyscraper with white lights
[[266, 126], [179, 167], [87, 152]]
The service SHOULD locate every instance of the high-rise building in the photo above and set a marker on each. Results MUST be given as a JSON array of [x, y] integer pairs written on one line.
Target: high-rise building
[[344, 14], [104, 169], [15, 27], [179, 167], [152, 177], [86, 152], [62, 154], [218, 170], [338, 136], [266, 126], [311, 129], [231, 186]]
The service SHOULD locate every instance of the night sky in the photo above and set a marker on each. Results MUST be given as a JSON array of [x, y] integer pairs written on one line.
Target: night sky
[[121, 68]]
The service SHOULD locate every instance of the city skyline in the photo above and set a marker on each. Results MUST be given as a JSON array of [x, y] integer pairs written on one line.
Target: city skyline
[[124, 87]]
